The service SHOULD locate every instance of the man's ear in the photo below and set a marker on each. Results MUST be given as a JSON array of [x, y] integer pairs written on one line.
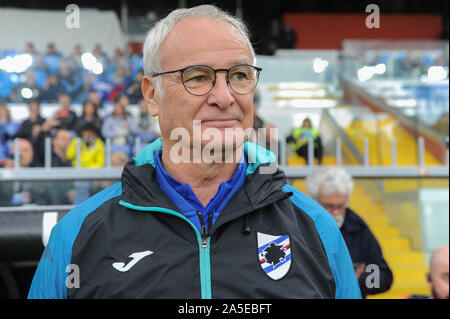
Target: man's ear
[[150, 95]]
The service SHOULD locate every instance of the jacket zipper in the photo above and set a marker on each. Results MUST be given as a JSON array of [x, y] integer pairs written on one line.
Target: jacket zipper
[[203, 239], [204, 232]]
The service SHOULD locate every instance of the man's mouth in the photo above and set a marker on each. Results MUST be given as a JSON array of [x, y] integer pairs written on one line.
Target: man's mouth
[[225, 122]]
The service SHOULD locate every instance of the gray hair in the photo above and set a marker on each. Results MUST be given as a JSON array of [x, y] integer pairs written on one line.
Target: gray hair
[[157, 34], [330, 180]]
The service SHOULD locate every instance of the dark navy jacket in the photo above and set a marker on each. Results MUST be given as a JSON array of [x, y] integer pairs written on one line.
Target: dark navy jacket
[[129, 241], [364, 248]]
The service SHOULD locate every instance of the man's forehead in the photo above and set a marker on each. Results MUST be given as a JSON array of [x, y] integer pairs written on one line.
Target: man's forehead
[[334, 197], [195, 40]]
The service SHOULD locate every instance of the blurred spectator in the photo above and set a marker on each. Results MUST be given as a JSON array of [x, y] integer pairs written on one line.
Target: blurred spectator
[[74, 59], [92, 155], [52, 89], [19, 193], [133, 90], [117, 160], [437, 275], [288, 37], [89, 115], [52, 58], [29, 90], [120, 76], [300, 137], [72, 80], [129, 55], [6, 86], [8, 130], [60, 139], [117, 60], [30, 49], [75, 80], [120, 127], [92, 150], [60, 143], [100, 55], [26, 155], [119, 79], [40, 132], [66, 117], [148, 130], [51, 50], [94, 97], [259, 125], [332, 188], [28, 128]]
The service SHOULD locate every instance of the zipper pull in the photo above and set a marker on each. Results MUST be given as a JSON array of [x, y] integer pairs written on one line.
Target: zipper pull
[[204, 232]]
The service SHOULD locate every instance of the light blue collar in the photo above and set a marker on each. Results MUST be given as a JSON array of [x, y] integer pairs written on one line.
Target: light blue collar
[[255, 155]]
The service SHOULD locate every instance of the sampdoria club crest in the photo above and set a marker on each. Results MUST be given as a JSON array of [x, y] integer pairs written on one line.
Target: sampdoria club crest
[[274, 254]]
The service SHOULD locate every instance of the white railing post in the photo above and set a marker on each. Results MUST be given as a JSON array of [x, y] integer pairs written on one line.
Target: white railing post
[[366, 152], [338, 152], [394, 152]]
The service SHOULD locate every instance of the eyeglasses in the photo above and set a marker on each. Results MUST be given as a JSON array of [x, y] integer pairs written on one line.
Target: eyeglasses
[[200, 79], [331, 207]]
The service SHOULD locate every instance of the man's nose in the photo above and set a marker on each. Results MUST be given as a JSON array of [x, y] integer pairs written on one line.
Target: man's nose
[[221, 94]]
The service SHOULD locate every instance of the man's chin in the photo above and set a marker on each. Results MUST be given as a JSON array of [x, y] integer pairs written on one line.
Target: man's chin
[[219, 150]]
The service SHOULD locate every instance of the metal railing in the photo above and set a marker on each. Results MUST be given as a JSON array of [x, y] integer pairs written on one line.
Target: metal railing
[[364, 169]]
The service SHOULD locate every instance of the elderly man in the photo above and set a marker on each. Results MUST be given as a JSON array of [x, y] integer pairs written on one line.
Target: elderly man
[[332, 188], [199, 224]]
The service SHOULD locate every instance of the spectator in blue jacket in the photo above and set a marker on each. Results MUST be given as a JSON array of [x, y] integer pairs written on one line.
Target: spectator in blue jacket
[[120, 127], [8, 130]]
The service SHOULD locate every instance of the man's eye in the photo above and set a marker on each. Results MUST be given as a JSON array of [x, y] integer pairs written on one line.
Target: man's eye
[[239, 76], [197, 78]]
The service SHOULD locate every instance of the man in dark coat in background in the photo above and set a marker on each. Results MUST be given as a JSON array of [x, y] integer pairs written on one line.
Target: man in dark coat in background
[[332, 188]]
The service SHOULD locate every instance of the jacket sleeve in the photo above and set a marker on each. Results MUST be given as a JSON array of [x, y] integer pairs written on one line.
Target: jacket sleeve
[[368, 282], [55, 273], [49, 281], [339, 259]]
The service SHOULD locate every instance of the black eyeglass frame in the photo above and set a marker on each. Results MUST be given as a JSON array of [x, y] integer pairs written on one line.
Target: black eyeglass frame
[[258, 70]]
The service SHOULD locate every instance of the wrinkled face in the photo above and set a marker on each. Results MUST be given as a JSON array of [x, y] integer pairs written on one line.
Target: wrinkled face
[[438, 277], [335, 204], [202, 42]]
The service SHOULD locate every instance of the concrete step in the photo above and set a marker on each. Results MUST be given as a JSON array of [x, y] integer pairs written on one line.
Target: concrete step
[[385, 231], [404, 257], [409, 273], [390, 244]]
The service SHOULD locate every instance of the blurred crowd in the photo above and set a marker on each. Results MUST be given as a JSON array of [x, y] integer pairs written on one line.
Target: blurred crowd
[[67, 131], [31, 75], [76, 141]]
